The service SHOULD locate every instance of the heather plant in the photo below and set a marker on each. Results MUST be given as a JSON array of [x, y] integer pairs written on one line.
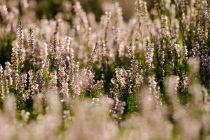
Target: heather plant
[[68, 74]]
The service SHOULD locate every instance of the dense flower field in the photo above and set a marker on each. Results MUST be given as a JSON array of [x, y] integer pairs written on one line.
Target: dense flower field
[[73, 77]]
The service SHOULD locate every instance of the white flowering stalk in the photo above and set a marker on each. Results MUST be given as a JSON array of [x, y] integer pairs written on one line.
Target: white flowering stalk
[[154, 90], [141, 9], [40, 79], [15, 64], [118, 109], [143, 20], [20, 47], [1, 81], [149, 57], [117, 27], [33, 87], [106, 22], [18, 56], [22, 82], [81, 81], [164, 26], [81, 14], [8, 73], [121, 76], [43, 58], [171, 84], [53, 79], [61, 75]]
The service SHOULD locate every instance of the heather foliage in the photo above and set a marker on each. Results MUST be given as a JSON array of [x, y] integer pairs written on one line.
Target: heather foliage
[[75, 77]]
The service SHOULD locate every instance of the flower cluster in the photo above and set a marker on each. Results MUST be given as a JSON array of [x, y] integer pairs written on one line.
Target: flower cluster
[[72, 77]]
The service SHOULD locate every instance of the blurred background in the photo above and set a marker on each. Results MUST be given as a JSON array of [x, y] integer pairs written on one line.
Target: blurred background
[[49, 8]]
